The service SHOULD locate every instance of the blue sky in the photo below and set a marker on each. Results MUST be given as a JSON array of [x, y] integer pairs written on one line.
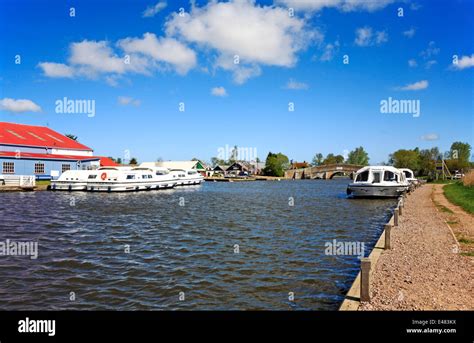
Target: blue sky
[[283, 59]]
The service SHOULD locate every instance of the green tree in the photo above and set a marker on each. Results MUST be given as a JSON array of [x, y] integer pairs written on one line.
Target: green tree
[[68, 135], [358, 156], [119, 160], [405, 159], [217, 161], [318, 159], [459, 156], [276, 164], [133, 161], [333, 159], [426, 160]]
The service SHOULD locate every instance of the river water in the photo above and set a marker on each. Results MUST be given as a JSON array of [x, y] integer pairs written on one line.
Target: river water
[[218, 246]]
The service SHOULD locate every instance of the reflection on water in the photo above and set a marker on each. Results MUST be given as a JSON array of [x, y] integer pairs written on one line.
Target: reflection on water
[[231, 246]]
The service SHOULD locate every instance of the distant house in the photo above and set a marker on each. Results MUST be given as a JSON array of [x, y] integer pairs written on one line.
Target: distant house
[[185, 165], [220, 169], [238, 167], [256, 168], [45, 153]]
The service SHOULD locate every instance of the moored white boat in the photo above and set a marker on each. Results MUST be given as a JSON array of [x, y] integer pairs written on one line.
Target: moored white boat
[[73, 180], [186, 177], [378, 181], [410, 176], [113, 179]]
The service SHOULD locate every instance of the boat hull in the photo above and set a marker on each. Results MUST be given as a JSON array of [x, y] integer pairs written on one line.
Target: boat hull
[[371, 191], [68, 186], [189, 182], [128, 187]]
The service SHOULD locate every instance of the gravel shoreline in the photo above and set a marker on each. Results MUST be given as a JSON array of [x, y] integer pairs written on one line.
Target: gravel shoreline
[[423, 270]]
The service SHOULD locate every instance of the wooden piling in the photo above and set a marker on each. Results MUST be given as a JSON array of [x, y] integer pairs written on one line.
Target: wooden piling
[[365, 279], [395, 217], [387, 228]]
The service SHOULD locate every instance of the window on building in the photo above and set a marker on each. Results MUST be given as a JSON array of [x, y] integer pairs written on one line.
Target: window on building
[[39, 168], [65, 167], [8, 168]]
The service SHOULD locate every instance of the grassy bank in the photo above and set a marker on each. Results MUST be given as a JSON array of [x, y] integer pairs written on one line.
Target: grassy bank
[[460, 195]]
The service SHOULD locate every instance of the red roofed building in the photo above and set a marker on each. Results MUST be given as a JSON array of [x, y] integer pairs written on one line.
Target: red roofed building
[[40, 151]]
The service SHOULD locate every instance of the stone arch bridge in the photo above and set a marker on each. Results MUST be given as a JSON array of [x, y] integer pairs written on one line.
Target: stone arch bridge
[[325, 172]]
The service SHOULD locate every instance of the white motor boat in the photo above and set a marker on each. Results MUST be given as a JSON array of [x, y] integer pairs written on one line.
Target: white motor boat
[[73, 180], [114, 179], [410, 176], [378, 181], [186, 177]]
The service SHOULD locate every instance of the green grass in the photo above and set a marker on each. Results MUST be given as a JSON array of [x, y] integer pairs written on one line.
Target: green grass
[[460, 195], [43, 182], [465, 241], [470, 253]]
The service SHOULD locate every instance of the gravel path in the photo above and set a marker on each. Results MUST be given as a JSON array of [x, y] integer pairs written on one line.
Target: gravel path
[[423, 270]]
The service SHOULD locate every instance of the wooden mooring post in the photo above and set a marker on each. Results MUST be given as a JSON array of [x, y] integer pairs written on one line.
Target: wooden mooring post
[[387, 229], [395, 216], [365, 279]]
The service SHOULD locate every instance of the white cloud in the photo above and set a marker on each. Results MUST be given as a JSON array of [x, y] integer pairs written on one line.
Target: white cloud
[[430, 63], [18, 105], [343, 5], [415, 86], [151, 11], [409, 33], [464, 62], [381, 37], [430, 51], [329, 51], [430, 137], [93, 59], [295, 85], [57, 70], [167, 50], [127, 100], [412, 63], [218, 91], [258, 35], [365, 36]]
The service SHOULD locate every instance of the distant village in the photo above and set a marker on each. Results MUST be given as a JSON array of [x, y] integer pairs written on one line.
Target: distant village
[[46, 154]]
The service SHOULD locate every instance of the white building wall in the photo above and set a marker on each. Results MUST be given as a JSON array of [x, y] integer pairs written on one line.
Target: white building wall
[[71, 152]]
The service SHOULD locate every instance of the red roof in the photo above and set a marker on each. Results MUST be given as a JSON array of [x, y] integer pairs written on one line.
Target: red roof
[[29, 135], [107, 162], [27, 155]]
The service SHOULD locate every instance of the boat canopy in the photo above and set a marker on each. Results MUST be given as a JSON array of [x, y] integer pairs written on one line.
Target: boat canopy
[[379, 174]]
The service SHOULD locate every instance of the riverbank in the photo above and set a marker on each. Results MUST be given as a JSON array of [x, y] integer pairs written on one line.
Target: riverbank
[[425, 269]]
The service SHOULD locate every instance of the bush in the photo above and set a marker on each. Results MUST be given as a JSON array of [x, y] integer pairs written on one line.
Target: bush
[[468, 180]]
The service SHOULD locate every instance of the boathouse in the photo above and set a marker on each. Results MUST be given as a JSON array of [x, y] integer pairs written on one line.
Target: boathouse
[[43, 152]]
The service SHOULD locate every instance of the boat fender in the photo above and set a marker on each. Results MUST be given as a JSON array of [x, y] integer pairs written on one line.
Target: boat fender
[[103, 176]]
